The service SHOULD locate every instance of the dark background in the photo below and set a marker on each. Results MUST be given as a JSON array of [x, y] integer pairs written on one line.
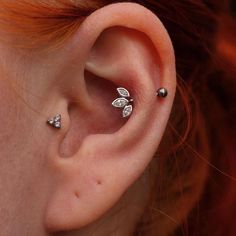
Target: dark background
[[233, 7]]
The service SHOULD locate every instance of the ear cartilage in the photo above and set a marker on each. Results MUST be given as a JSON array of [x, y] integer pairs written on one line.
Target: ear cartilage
[[124, 102], [55, 122], [162, 92]]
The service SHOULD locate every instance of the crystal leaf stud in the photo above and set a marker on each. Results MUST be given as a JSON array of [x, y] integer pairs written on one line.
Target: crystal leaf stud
[[55, 121], [124, 101]]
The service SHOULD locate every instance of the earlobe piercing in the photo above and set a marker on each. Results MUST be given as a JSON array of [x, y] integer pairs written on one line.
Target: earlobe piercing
[[55, 121], [125, 102]]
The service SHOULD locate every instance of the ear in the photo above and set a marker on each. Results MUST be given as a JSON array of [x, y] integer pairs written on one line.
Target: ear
[[97, 154]]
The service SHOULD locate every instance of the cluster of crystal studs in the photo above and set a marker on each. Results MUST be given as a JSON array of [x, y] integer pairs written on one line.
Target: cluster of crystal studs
[[55, 121], [124, 102]]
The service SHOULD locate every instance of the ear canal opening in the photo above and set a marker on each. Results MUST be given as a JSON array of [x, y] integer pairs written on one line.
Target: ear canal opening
[[102, 118]]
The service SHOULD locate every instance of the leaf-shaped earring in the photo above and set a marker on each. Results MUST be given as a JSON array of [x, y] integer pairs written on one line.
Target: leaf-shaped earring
[[127, 110], [123, 92], [124, 102], [120, 102]]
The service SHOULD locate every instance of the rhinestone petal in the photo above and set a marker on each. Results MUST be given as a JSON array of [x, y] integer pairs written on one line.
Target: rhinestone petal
[[57, 118], [123, 92], [57, 124], [120, 102], [50, 121], [127, 110]]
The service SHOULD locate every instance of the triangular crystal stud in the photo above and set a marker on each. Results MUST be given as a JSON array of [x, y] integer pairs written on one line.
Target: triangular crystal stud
[[55, 121]]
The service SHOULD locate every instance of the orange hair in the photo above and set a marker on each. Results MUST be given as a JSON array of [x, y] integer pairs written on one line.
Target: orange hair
[[199, 110]]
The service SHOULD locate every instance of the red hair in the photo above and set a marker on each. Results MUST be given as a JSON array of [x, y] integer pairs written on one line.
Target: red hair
[[203, 95]]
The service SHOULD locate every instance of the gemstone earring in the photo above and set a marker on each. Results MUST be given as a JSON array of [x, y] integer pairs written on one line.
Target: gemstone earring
[[125, 101], [55, 121]]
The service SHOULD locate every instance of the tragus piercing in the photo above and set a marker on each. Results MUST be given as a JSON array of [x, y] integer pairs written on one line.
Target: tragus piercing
[[162, 92], [124, 101], [55, 121]]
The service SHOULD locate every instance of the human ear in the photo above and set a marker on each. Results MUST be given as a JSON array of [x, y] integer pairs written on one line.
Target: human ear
[[98, 155]]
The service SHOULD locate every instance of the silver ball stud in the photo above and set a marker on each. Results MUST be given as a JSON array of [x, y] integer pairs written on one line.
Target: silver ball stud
[[162, 92]]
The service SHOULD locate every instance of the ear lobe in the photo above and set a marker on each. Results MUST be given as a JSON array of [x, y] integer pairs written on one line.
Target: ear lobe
[[137, 55]]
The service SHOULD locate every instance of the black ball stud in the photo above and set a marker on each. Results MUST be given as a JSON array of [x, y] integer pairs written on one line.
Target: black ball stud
[[162, 92]]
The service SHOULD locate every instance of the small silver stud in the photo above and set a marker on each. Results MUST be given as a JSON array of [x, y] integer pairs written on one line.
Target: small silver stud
[[55, 121], [162, 92]]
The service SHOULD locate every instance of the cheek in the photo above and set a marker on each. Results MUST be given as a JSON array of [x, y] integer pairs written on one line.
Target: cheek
[[8, 165], [8, 112], [19, 155], [22, 174]]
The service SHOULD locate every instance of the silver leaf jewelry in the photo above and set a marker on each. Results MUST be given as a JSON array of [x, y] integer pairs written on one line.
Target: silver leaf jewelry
[[124, 101], [55, 121]]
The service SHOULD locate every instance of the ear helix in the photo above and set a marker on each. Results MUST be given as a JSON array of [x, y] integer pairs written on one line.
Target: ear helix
[[125, 101]]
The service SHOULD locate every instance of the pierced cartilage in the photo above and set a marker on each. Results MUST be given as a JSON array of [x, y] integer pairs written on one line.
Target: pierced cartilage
[[55, 121], [124, 102], [162, 92]]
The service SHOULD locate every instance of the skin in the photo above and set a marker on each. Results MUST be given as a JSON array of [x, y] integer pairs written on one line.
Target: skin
[[84, 178]]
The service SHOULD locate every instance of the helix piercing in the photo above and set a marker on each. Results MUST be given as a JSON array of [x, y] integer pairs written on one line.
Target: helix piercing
[[124, 101], [162, 92], [55, 121]]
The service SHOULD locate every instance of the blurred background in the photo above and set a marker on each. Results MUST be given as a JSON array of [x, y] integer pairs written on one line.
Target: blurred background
[[227, 36]]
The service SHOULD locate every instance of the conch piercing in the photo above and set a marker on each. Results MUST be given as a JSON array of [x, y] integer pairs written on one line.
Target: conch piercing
[[55, 121], [125, 101]]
